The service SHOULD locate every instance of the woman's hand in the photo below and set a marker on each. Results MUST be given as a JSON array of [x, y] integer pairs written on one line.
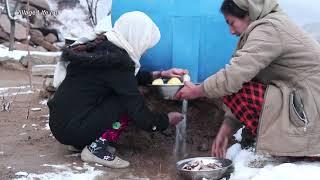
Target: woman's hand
[[174, 72], [220, 143], [190, 91], [175, 118]]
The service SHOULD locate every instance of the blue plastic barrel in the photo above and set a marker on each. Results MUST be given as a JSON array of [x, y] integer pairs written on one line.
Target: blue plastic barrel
[[194, 35]]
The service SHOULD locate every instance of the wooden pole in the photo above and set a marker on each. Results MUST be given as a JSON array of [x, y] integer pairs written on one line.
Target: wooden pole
[[12, 25], [28, 41], [12, 30]]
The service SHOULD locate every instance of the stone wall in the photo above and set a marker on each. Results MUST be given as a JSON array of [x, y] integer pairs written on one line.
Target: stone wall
[[42, 38]]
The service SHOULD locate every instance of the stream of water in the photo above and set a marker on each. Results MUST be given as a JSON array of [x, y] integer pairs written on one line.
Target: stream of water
[[181, 134]]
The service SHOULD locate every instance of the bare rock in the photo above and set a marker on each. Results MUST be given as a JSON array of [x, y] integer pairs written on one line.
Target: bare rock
[[4, 35], [39, 60], [3, 41], [20, 30], [60, 45], [41, 49], [49, 46], [12, 64], [37, 20], [41, 42], [20, 46], [45, 94], [43, 70], [48, 84], [67, 4], [23, 46], [51, 38], [36, 34], [42, 4]]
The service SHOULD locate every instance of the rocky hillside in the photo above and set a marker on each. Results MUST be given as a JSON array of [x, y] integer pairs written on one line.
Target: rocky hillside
[[42, 37], [50, 21]]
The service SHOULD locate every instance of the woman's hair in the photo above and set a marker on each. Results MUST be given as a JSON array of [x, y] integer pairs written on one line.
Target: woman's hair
[[228, 7]]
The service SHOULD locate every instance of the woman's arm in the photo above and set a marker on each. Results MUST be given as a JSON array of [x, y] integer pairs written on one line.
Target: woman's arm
[[125, 85]]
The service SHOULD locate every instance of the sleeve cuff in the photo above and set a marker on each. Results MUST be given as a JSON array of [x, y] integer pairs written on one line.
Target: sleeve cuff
[[209, 89], [162, 124]]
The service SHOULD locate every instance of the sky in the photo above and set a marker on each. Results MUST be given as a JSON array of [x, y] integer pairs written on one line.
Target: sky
[[302, 11]]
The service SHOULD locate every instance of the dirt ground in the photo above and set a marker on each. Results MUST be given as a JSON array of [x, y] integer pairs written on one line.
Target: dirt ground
[[26, 144]]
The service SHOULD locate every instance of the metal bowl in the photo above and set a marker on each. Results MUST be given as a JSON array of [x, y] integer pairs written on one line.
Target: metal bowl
[[168, 91], [215, 174]]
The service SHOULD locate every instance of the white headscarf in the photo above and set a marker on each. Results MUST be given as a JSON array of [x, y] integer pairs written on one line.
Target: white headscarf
[[135, 32]]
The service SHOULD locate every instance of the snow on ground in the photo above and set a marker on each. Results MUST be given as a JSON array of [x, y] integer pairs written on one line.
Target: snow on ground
[[18, 54], [246, 160], [44, 102], [74, 23], [13, 91], [238, 134], [65, 172], [46, 127]]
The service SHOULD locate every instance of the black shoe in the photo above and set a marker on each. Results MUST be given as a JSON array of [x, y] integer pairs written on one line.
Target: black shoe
[[100, 152], [100, 149]]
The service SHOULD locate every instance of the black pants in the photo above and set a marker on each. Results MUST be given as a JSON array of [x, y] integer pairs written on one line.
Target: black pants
[[81, 132]]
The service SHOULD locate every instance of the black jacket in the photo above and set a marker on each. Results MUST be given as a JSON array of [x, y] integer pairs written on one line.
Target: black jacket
[[99, 87]]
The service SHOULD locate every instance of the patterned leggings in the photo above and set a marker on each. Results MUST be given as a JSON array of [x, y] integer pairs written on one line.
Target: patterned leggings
[[112, 135], [247, 104]]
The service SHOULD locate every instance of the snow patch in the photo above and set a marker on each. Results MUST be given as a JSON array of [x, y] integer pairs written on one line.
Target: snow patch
[[72, 155], [13, 91], [43, 102], [238, 135], [18, 54], [46, 127], [249, 165], [21, 173], [65, 172], [289, 171], [75, 23]]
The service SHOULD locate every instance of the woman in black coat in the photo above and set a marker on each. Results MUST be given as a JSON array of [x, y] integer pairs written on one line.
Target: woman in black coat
[[101, 85]]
